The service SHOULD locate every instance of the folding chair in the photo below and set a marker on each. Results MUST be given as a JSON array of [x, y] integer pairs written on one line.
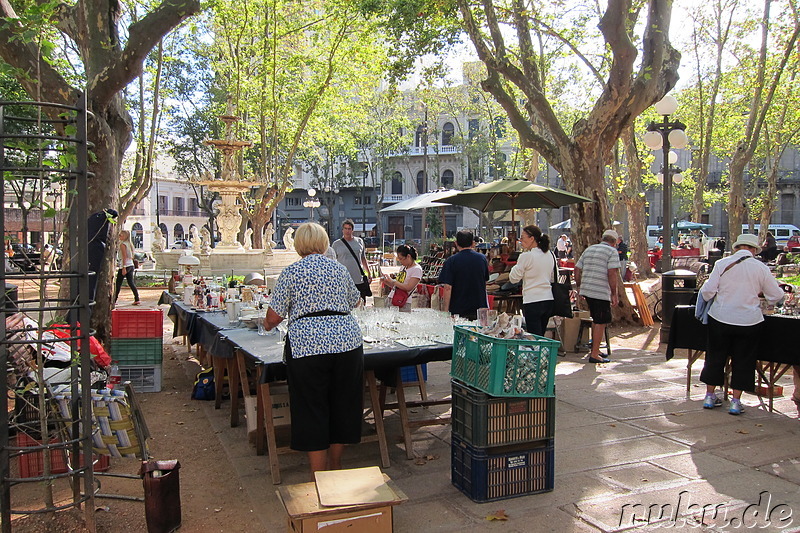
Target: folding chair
[[119, 430]]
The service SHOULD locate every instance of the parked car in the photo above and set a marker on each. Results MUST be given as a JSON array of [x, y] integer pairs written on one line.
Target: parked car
[[793, 244], [181, 244]]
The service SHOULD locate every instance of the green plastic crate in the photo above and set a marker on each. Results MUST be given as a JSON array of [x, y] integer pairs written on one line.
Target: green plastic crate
[[504, 367], [137, 351], [482, 420]]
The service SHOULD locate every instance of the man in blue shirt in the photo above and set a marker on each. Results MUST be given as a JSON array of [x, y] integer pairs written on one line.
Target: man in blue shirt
[[464, 276]]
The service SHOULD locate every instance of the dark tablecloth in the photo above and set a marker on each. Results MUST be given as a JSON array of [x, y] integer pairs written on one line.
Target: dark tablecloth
[[689, 333], [221, 339]]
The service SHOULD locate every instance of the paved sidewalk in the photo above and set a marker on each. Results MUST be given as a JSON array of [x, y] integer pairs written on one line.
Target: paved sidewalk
[[632, 450]]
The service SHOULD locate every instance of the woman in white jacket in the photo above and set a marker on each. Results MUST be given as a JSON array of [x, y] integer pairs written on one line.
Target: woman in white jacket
[[535, 268]]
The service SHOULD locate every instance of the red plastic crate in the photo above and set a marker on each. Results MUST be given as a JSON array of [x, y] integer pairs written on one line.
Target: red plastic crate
[[32, 464], [137, 323]]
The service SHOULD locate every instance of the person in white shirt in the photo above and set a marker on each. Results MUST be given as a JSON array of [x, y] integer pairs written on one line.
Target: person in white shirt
[[561, 247], [535, 269], [735, 320]]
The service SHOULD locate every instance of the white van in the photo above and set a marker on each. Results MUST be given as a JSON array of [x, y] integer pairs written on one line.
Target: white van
[[781, 232], [653, 233]]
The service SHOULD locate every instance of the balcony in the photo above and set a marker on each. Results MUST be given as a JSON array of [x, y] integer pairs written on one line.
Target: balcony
[[394, 198], [432, 150]]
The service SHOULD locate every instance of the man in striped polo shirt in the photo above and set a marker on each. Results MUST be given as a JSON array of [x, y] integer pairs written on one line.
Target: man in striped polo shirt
[[597, 275]]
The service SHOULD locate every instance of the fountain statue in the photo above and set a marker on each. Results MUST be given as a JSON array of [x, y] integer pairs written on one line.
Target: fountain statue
[[159, 242], [229, 255], [205, 240], [288, 239], [266, 237]]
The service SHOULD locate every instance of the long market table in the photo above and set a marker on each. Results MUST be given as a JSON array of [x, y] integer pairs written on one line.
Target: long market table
[[231, 348], [775, 356]]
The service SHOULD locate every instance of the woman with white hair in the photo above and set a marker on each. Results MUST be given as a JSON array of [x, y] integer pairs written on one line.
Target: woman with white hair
[[323, 352], [735, 320]]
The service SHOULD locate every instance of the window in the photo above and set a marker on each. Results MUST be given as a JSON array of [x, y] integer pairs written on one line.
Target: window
[[447, 178], [447, 134], [473, 126], [499, 127], [137, 235], [194, 206], [163, 204], [422, 185], [397, 183], [177, 232], [293, 202], [419, 137], [178, 206], [367, 200]]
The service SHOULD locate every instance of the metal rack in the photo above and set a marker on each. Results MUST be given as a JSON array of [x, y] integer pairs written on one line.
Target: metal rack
[[43, 162]]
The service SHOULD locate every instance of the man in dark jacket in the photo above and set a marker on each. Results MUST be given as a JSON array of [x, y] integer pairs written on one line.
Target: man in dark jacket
[[464, 276]]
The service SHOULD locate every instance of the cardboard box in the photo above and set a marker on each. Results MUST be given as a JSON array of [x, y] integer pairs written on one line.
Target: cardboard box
[[306, 515], [569, 331], [763, 390], [281, 415]]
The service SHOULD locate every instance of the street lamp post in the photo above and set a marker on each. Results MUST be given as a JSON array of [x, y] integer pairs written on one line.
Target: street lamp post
[[663, 135], [311, 202]]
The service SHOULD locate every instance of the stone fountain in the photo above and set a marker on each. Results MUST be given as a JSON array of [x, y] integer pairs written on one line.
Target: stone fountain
[[229, 256]]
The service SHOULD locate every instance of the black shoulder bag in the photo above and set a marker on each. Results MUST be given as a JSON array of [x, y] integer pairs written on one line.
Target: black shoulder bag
[[562, 306], [362, 287]]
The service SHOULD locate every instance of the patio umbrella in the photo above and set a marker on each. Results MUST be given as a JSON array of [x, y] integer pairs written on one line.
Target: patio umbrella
[[567, 224], [422, 201], [511, 194]]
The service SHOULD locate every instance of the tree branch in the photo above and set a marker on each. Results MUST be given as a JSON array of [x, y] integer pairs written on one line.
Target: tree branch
[[142, 38]]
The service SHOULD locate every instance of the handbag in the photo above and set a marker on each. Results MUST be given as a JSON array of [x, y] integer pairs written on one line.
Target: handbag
[[562, 306], [400, 297], [703, 306], [362, 287]]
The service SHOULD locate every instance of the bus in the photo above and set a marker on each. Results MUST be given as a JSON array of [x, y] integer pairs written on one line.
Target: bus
[[781, 232]]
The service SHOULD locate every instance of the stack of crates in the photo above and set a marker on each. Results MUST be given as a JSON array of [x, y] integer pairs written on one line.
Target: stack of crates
[[137, 346], [503, 415]]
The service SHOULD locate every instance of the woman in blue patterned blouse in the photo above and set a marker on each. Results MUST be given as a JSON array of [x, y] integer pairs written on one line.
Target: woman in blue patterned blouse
[[324, 353]]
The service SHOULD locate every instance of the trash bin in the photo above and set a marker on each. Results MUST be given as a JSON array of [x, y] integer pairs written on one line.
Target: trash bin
[[678, 287], [713, 255], [162, 495]]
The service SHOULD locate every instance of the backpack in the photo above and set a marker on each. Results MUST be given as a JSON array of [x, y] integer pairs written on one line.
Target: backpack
[[204, 385]]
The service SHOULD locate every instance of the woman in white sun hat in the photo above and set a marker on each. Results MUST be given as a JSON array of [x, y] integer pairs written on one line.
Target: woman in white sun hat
[[735, 319]]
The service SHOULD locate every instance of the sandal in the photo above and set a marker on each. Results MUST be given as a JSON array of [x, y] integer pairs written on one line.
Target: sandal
[[598, 361], [137, 302]]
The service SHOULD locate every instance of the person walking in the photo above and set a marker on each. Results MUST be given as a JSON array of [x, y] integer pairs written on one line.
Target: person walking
[[126, 268], [464, 277], [596, 276], [323, 351], [534, 268], [352, 253], [735, 320]]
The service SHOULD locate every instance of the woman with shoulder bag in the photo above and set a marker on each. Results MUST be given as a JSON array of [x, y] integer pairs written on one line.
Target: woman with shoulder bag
[[126, 269], [534, 268], [406, 281]]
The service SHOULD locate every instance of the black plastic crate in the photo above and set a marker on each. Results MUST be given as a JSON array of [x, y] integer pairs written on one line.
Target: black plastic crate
[[490, 474], [482, 420]]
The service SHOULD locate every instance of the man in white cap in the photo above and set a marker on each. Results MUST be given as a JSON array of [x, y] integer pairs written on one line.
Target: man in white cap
[[596, 275], [735, 320]]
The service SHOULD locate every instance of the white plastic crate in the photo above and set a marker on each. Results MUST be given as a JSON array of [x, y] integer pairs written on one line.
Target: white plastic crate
[[144, 378]]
